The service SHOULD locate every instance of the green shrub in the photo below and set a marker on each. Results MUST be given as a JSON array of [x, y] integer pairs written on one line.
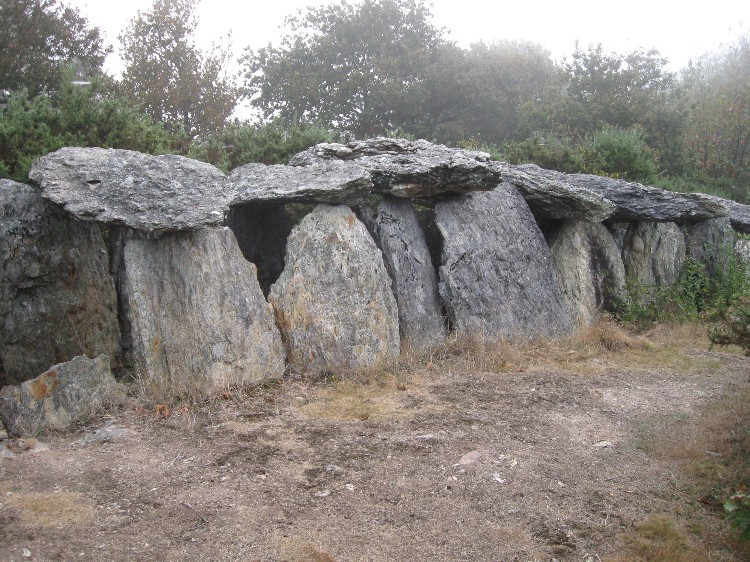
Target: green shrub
[[737, 508], [696, 294], [270, 143], [618, 153]]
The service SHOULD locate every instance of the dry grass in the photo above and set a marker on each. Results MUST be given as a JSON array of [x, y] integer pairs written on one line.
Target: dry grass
[[63, 509], [659, 539]]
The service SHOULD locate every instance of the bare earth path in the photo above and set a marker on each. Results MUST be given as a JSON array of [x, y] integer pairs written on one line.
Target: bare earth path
[[563, 464]]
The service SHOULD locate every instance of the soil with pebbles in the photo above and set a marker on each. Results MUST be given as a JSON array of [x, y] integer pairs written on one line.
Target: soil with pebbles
[[323, 471]]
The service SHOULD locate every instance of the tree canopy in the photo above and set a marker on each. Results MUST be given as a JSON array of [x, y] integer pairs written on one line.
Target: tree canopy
[[169, 76], [366, 68], [37, 37]]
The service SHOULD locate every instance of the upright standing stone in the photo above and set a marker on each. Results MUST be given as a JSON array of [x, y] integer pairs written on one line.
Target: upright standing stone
[[407, 260], [497, 277], [589, 267], [711, 243], [653, 254], [198, 316], [57, 299], [333, 301]]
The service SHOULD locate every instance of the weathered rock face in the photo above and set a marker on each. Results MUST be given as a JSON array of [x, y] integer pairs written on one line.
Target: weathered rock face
[[555, 198], [407, 260], [333, 301], [497, 277], [742, 250], [57, 397], [618, 230], [150, 193], [198, 315], [738, 213], [320, 182], [653, 254], [589, 267], [636, 202], [261, 232], [405, 168], [711, 243], [57, 299]]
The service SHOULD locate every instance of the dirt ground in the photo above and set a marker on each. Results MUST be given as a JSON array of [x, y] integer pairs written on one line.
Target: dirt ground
[[548, 453]]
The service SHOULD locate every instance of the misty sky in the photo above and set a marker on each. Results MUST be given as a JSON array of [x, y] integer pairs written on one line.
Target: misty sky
[[679, 32]]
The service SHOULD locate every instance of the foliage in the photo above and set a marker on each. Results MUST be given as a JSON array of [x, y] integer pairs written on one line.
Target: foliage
[[502, 81], [270, 143], [618, 153], [38, 36], [696, 294], [170, 77], [74, 116], [737, 508], [718, 99], [734, 326], [364, 68]]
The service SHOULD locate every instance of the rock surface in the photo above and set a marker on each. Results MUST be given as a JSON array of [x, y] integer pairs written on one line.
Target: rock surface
[[57, 397], [711, 243], [738, 213], [261, 232], [407, 260], [57, 299], [497, 277], [321, 182], [636, 202], [589, 267], [653, 254], [555, 198], [333, 302], [405, 168], [198, 316], [150, 193]]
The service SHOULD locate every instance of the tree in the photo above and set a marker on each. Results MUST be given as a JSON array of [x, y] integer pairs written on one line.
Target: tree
[[366, 68], [170, 77], [37, 37], [718, 98], [505, 80]]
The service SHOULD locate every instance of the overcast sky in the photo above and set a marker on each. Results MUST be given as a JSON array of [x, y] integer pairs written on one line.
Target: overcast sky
[[679, 30]]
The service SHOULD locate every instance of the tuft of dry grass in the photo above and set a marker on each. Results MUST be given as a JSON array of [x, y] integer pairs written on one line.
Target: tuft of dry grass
[[63, 509], [659, 539]]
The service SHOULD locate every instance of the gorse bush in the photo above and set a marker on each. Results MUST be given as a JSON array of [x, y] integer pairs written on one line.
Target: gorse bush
[[618, 153], [88, 115], [271, 143]]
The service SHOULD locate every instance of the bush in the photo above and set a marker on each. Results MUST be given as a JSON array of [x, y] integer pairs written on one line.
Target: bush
[[618, 153], [737, 508], [696, 294], [72, 116], [270, 143]]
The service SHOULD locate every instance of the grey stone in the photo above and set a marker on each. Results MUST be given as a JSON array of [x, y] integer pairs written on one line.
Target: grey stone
[[653, 254], [333, 302], [497, 277], [58, 397], [199, 319], [618, 230], [407, 260], [636, 202], [405, 168], [590, 269], [742, 251], [57, 299], [711, 243], [121, 187], [738, 213], [321, 182], [261, 232], [553, 197]]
